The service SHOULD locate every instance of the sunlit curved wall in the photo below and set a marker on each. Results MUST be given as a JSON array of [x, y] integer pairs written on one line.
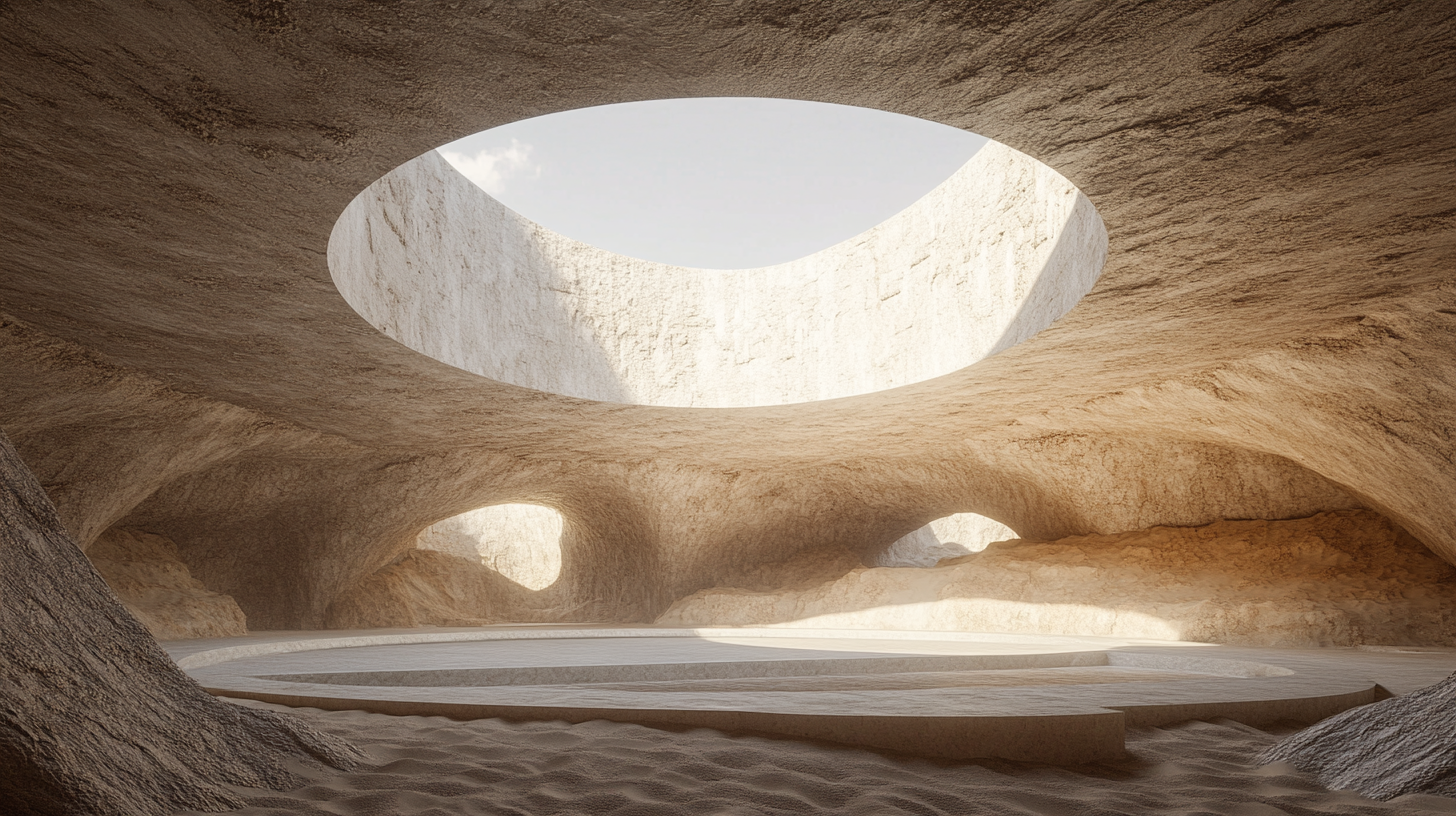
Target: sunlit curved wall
[[994, 254]]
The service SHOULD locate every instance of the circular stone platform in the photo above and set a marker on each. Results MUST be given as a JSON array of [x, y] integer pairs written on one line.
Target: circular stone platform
[[939, 694]]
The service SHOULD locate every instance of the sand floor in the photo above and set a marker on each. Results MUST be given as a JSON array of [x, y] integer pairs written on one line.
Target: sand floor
[[432, 765]]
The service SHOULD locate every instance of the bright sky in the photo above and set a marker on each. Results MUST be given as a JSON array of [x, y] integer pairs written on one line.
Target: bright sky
[[719, 183]]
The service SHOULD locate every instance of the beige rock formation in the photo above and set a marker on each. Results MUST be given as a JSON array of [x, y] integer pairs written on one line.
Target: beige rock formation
[[96, 717], [148, 576], [431, 588], [1270, 337], [990, 257], [435, 586], [1337, 579]]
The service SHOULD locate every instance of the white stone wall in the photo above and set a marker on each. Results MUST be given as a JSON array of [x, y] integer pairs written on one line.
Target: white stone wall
[[987, 259]]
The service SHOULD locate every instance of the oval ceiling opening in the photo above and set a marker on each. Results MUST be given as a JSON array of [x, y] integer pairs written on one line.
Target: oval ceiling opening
[[713, 183], [984, 260]]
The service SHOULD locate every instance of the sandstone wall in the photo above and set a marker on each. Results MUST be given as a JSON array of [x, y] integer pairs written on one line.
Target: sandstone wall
[[1270, 337], [148, 576], [991, 256], [97, 718], [430, 588]]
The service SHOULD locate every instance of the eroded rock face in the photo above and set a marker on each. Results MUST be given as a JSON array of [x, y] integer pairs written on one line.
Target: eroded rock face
[[1387, 749], [96, 718], [1336, 579], [1270, 336], [429, 588], [1272, 330], [522, 542], [148, 576]]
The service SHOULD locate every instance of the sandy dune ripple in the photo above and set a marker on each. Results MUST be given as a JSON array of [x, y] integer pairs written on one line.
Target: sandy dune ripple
[[427, 766]]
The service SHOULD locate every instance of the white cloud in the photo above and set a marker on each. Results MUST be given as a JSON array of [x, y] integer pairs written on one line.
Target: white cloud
[[491, 169]]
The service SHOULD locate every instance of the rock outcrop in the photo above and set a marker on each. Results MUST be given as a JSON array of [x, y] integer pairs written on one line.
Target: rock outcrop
[[149, 578], [95, 717], [1336, 579], [429, 588], [421, 588], [1387, 749]]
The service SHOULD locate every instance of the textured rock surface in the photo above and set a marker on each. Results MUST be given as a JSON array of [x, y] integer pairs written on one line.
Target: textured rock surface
[[1270, 337], [436, 588], [1337, 579], [1387, 749], [150, 580], [990, 257], [522, 543], [425, 587], [95, 717]]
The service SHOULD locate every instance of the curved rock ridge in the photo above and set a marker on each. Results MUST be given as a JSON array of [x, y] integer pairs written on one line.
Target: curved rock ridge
[[1343, 578], [149, 578], [987, 259], [1387, 749]]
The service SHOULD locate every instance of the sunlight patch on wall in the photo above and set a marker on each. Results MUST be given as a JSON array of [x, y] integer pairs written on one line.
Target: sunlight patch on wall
[[520, 541]]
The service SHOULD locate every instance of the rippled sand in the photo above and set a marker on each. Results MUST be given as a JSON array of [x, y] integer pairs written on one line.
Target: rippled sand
[[432, 765]]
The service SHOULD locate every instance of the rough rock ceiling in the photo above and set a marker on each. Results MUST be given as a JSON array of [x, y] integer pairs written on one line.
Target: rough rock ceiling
[[1273, 333]]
